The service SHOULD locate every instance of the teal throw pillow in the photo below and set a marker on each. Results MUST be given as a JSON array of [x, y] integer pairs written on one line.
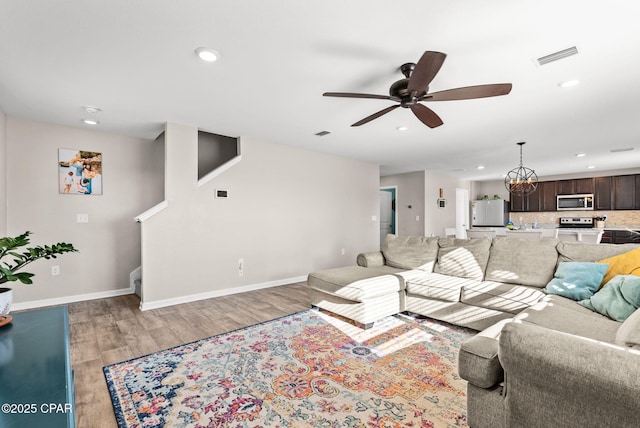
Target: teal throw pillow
[[617, 299], [576, 280]]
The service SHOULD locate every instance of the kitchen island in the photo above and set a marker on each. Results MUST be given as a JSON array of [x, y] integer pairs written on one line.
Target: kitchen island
[[621, 235], [590, 235]]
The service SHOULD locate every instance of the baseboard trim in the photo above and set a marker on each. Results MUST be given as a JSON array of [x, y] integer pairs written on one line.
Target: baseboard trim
[[145, 306], [56, 301]]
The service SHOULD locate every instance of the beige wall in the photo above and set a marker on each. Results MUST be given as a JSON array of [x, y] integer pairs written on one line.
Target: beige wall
[[489, 188], [289, 212], [421, 190], [3, 174], [410, 193], [109, 244], [436, 218]]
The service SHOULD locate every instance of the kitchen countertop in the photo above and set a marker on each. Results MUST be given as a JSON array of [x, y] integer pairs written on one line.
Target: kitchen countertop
[[563, 229], [633, 227], [579, 229]]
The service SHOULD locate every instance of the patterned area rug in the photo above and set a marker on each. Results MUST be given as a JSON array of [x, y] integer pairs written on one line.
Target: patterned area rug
[[304, 370]]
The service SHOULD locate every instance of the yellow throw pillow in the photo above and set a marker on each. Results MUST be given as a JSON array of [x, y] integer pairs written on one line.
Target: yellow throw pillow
[[623, 264]]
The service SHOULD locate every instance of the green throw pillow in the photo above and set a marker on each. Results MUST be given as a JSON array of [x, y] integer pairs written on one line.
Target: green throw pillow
[[576, 280], [618, 299]]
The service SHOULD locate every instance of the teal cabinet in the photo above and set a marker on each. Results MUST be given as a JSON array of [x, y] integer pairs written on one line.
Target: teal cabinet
[[36, 381]]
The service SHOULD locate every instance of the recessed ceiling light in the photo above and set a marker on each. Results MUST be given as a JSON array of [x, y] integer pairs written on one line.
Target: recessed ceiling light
[[92, 109], [90, 121], [480, 167], [207, 54], [568, 83], [402, 128], [580, 155], [591, 167]]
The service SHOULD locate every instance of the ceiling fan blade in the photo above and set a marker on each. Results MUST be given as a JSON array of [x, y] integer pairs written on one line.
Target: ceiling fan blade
[[354, 95], [426, 69], [469, 92], [426, 116], [375, 115]]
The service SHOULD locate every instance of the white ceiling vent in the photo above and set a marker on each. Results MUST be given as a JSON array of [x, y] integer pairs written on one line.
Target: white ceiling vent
[[556, 56], [622, 149]]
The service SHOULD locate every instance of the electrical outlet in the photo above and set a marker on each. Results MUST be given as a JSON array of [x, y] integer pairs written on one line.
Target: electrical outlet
[[342, 251], [55, 270]]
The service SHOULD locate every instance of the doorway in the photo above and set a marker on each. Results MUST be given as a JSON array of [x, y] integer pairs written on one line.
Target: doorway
[[388, 213], [462, 212]]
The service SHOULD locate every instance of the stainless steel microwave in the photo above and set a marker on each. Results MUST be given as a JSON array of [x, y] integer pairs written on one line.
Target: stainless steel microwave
[[575, 202]]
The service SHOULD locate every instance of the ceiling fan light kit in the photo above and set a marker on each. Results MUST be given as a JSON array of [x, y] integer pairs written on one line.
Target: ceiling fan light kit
[[521, 181], [414, 89]]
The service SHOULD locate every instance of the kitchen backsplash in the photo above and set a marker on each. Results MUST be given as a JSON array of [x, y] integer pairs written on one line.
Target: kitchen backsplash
[[625, 219]]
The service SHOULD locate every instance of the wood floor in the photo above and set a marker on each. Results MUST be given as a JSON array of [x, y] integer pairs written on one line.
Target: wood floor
[[108, 331]]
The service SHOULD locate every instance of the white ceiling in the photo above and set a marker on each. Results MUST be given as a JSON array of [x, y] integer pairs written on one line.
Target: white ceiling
[[135, 60]]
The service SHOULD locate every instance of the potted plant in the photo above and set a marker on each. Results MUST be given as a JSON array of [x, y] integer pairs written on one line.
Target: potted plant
[[600, 221], [20, 257]]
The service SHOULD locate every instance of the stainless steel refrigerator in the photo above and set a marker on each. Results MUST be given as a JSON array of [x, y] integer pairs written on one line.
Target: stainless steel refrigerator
[[492, 212]]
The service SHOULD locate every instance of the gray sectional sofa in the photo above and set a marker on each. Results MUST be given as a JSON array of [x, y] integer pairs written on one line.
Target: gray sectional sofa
[[539, 360]]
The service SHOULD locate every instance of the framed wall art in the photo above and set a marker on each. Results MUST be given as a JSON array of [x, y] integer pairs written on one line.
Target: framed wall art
[[79, 172]]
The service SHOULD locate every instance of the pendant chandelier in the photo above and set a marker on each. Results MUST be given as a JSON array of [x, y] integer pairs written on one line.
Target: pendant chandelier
[[521, 181]]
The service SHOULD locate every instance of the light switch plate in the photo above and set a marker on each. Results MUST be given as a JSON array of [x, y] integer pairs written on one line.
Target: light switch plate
[[82, 218]]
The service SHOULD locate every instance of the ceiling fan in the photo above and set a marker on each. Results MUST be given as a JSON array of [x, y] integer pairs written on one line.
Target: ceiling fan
[[414, 88]]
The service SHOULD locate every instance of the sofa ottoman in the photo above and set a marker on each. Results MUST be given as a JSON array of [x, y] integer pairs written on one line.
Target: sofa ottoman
[[361, 294]]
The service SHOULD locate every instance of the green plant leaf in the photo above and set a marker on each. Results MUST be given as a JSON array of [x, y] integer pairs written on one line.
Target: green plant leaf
[[9, 246], [24, 277]]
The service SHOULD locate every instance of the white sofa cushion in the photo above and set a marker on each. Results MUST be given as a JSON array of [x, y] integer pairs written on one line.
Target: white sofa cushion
[[628, 333], [355, 283], [435, 285], [566, 315], [410, 252], [502, 297], [519, 261], [579, 252], [463, 258]]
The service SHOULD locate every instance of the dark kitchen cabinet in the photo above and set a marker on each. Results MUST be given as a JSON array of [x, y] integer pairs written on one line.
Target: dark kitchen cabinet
[[637, 207], [624, 192], [607, 237], [602, 193], [624, 236], [610, 193], [532, 201], [547, 196], [565, 187], [543, 199], [574, 187], [583, 185], [517, 203]]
